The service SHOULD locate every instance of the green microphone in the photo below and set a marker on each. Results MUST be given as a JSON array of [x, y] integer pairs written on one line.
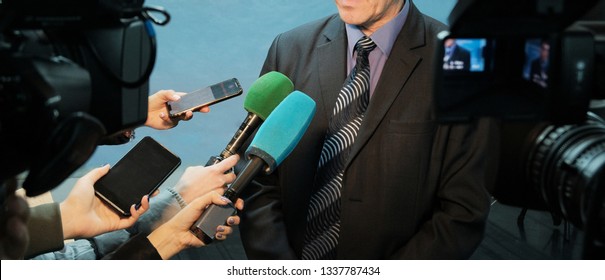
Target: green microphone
[[264, 95]]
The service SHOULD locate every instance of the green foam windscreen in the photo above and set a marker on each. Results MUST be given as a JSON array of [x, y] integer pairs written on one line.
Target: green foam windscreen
[[266, 93]]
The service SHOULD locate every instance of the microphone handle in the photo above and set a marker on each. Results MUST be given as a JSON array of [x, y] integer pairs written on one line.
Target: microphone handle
[[246, 129], [205, 227], [254, 165], [213, 160]]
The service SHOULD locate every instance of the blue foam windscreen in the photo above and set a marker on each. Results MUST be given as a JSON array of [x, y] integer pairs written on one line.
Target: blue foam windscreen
[[282, 130]]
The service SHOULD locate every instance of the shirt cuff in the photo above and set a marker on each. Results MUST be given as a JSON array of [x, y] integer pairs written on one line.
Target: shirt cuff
[[178, 197]]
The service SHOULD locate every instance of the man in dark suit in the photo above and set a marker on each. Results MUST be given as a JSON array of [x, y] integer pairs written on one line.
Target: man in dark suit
[[538, 72], [411, 188], [456, 57]]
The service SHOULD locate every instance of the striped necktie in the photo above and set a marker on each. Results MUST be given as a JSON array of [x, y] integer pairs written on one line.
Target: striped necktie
[[323, 217]]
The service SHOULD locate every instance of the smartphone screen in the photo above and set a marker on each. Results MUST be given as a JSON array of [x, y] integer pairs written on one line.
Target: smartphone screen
[[140, 172], [205, 96]]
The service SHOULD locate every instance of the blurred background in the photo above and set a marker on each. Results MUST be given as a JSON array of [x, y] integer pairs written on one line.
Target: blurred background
[[210, 41]]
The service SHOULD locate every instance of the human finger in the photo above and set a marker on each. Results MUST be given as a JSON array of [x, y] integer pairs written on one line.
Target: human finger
[[233, 220], [136, 212], [156, 192], [167, 95], [203, 201], [228, 163], [187, 116], [239, 204], [205, 109], [222, 232]]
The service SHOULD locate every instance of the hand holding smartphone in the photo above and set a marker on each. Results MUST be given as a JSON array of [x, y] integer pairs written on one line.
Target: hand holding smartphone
[[204, 97], [140, 172]]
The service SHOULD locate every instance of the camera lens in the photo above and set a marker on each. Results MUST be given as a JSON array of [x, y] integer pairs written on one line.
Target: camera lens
[[563, 165]]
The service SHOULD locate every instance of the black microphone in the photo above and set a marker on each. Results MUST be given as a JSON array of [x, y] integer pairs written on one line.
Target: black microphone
[[262, 98], [273, 142]]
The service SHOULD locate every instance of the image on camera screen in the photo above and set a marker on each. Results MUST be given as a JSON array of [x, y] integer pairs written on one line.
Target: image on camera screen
[[537, 53], [464, 55]]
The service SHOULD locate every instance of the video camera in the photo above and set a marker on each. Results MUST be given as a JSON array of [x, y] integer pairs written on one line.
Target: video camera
[[536, 65], [73, 73]]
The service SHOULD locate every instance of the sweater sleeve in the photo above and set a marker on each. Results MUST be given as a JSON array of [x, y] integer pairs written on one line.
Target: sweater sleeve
[[136, 248], [45, 229]]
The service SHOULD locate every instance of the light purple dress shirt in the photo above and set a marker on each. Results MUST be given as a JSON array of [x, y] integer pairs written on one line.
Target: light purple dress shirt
[[384, 38]]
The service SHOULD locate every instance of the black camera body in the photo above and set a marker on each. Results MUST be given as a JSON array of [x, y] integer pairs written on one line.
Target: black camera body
[[537, 66], [37, 14], [72, 74], [523, 60], [508, 79]]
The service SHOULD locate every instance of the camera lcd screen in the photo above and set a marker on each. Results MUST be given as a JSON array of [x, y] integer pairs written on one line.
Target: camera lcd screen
[[464, 55], [537, 61]]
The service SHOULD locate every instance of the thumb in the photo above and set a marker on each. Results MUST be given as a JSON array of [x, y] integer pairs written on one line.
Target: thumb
[[96, 174], [165, 95], [199, 204], [171, 95]]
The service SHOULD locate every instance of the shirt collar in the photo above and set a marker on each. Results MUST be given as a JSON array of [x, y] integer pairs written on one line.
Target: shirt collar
[[384, 37]]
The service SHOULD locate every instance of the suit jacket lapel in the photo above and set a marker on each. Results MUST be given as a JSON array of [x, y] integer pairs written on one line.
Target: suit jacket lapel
[[398, 68], [332, 64]]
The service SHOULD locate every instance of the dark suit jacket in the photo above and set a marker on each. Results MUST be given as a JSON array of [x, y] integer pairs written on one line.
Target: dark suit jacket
[[413, 189], [535, 69]]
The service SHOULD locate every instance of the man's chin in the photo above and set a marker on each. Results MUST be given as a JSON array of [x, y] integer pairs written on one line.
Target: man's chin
[[349, 16]]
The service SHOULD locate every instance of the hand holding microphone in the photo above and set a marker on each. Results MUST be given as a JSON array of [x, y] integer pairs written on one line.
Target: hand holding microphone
[[273, 142]]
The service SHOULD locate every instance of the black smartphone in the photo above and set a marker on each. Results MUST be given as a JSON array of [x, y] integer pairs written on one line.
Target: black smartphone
[[205, 96], [140, 172]]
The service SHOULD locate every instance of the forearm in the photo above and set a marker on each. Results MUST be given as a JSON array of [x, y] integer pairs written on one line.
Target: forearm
[[166, 244]]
